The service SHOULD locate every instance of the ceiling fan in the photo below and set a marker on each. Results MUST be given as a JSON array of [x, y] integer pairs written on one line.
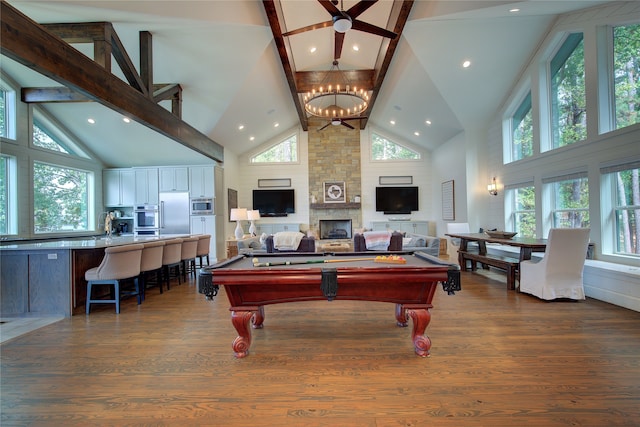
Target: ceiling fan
[[342, 21], [336, 121]]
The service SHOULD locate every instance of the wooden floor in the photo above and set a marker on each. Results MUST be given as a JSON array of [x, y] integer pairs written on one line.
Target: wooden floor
[[499, 358]]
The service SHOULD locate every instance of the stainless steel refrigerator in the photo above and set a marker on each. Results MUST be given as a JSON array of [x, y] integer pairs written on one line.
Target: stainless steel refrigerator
[[174, 213]]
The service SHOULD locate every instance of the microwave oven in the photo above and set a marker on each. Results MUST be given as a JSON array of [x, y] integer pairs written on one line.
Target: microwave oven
[[202, 206]]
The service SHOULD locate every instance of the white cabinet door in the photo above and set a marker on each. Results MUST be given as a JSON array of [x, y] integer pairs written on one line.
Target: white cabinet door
[[205, 224], [146, 186], [201, 181], [118, 186], [174, 179]]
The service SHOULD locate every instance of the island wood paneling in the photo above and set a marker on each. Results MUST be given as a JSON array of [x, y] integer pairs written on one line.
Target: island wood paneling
[[498, 359]]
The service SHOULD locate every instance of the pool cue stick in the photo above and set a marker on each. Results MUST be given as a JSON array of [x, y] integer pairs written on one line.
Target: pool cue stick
[[257, 263]]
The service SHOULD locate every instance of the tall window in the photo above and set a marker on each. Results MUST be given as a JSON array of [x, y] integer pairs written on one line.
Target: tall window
[[283, 152], [570, 202], [524, 211], [623, 183], [385, 149], [522, 131], [60, 198], [568, 100], [4, 195], [7, 113], [626, 74]]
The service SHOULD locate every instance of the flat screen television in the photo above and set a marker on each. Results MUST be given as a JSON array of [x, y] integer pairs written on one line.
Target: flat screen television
[[274, 202], [396, 200]]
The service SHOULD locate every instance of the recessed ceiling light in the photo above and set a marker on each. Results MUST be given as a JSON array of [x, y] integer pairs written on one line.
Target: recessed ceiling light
[[428, 122], [313, 49], [416, 133], [240, 127], [393, 122], [126, 119], [356, 47], [276, 124], [251, 138], [90, 120], [466, 64], [515, 9]]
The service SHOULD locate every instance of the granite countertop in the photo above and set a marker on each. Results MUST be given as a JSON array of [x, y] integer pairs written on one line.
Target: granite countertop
[[89, 243]]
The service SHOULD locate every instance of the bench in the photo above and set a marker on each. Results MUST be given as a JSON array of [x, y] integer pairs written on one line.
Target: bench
[[510, 265]]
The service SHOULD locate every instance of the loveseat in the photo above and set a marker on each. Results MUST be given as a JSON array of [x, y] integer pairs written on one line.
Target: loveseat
[[307, 244], [419, 242], [251, 245], [360, 244]]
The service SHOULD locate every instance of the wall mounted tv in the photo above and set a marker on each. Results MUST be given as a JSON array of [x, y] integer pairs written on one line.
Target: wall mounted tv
[[396, 200], [274, 202]]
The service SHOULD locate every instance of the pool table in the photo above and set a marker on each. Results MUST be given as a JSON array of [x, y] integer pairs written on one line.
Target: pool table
[[253, 282]]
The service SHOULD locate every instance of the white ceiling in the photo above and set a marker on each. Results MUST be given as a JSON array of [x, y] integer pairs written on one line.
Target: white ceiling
[[224, 56]]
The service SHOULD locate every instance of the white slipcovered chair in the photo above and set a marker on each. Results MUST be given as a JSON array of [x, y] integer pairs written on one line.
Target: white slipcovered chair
[[453, 244], [119, 263], [559, 273]]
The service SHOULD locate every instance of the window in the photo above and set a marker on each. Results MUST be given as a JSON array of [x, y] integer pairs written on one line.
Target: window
[[626, 74], [623, 181], [43, 139], [384, 149], [4, 195], [60, 198], [523, 210], [568, 100], [570, 202], [522, 131], [284, 152], [7, 113]]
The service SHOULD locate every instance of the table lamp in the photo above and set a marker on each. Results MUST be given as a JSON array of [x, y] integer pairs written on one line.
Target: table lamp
[[239, 214], [252, 216]]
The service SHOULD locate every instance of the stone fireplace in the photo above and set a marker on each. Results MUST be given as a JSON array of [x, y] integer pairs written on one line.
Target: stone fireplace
[[334, 155], [335, 229]]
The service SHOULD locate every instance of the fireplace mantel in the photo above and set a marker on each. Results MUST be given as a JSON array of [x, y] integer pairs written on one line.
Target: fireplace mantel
[[334, 206]]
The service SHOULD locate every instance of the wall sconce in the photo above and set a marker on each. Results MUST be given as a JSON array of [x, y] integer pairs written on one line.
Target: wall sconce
[[493, 187]]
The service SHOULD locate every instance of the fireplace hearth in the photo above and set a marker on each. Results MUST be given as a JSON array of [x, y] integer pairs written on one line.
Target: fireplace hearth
[[335, 229]]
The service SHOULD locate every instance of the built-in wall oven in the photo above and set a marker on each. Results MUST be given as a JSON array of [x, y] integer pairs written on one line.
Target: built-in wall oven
[[146, 220]]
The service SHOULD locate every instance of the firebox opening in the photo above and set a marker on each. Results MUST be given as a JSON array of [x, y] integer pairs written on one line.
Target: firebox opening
[[335, 229]]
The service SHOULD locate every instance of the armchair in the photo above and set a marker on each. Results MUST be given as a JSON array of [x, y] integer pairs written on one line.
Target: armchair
[[360, 242], [307, 244]]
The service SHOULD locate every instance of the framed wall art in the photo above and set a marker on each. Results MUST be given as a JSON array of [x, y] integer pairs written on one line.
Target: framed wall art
[[334, 192]]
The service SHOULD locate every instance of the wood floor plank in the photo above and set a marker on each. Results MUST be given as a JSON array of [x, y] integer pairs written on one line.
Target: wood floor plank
[[498, 358]]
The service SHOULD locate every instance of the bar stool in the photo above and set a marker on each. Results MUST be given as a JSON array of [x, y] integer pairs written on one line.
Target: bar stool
[[171, 259], [204, 240], [151, 263], [119, 263], [188, 256]]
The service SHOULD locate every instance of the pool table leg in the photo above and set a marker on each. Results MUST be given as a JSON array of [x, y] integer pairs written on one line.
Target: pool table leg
[[241, 344], [258, 318], [421, 318], [401, 316]]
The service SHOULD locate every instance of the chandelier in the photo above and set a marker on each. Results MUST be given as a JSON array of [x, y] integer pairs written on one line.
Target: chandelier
[[336, 99]]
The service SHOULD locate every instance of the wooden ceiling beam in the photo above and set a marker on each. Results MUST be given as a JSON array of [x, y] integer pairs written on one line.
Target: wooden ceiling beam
[[307, 80], [31, 45], [41, 95]]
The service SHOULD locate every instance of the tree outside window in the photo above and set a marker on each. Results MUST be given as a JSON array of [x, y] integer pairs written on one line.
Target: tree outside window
[[522, 131], [4, 196], [626, 74], [627, 210], [284, 152], [384, 149], [524, 211], [568, 100], [571, 203], [60, 199]]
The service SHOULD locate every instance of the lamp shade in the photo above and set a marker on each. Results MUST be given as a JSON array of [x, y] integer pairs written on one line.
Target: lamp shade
[[238, 214], [253, 215]]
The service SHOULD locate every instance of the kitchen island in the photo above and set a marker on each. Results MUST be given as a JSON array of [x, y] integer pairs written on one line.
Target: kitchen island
[[47, 277]]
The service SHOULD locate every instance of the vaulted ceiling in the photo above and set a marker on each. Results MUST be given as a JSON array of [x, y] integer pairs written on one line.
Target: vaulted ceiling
[[231, 57]]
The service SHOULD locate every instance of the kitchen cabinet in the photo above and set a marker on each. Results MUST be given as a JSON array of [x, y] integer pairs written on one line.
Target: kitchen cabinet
[[147, 186], [174, 178], [118, 187], [416, 227], [205, 224], [201, 181]]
